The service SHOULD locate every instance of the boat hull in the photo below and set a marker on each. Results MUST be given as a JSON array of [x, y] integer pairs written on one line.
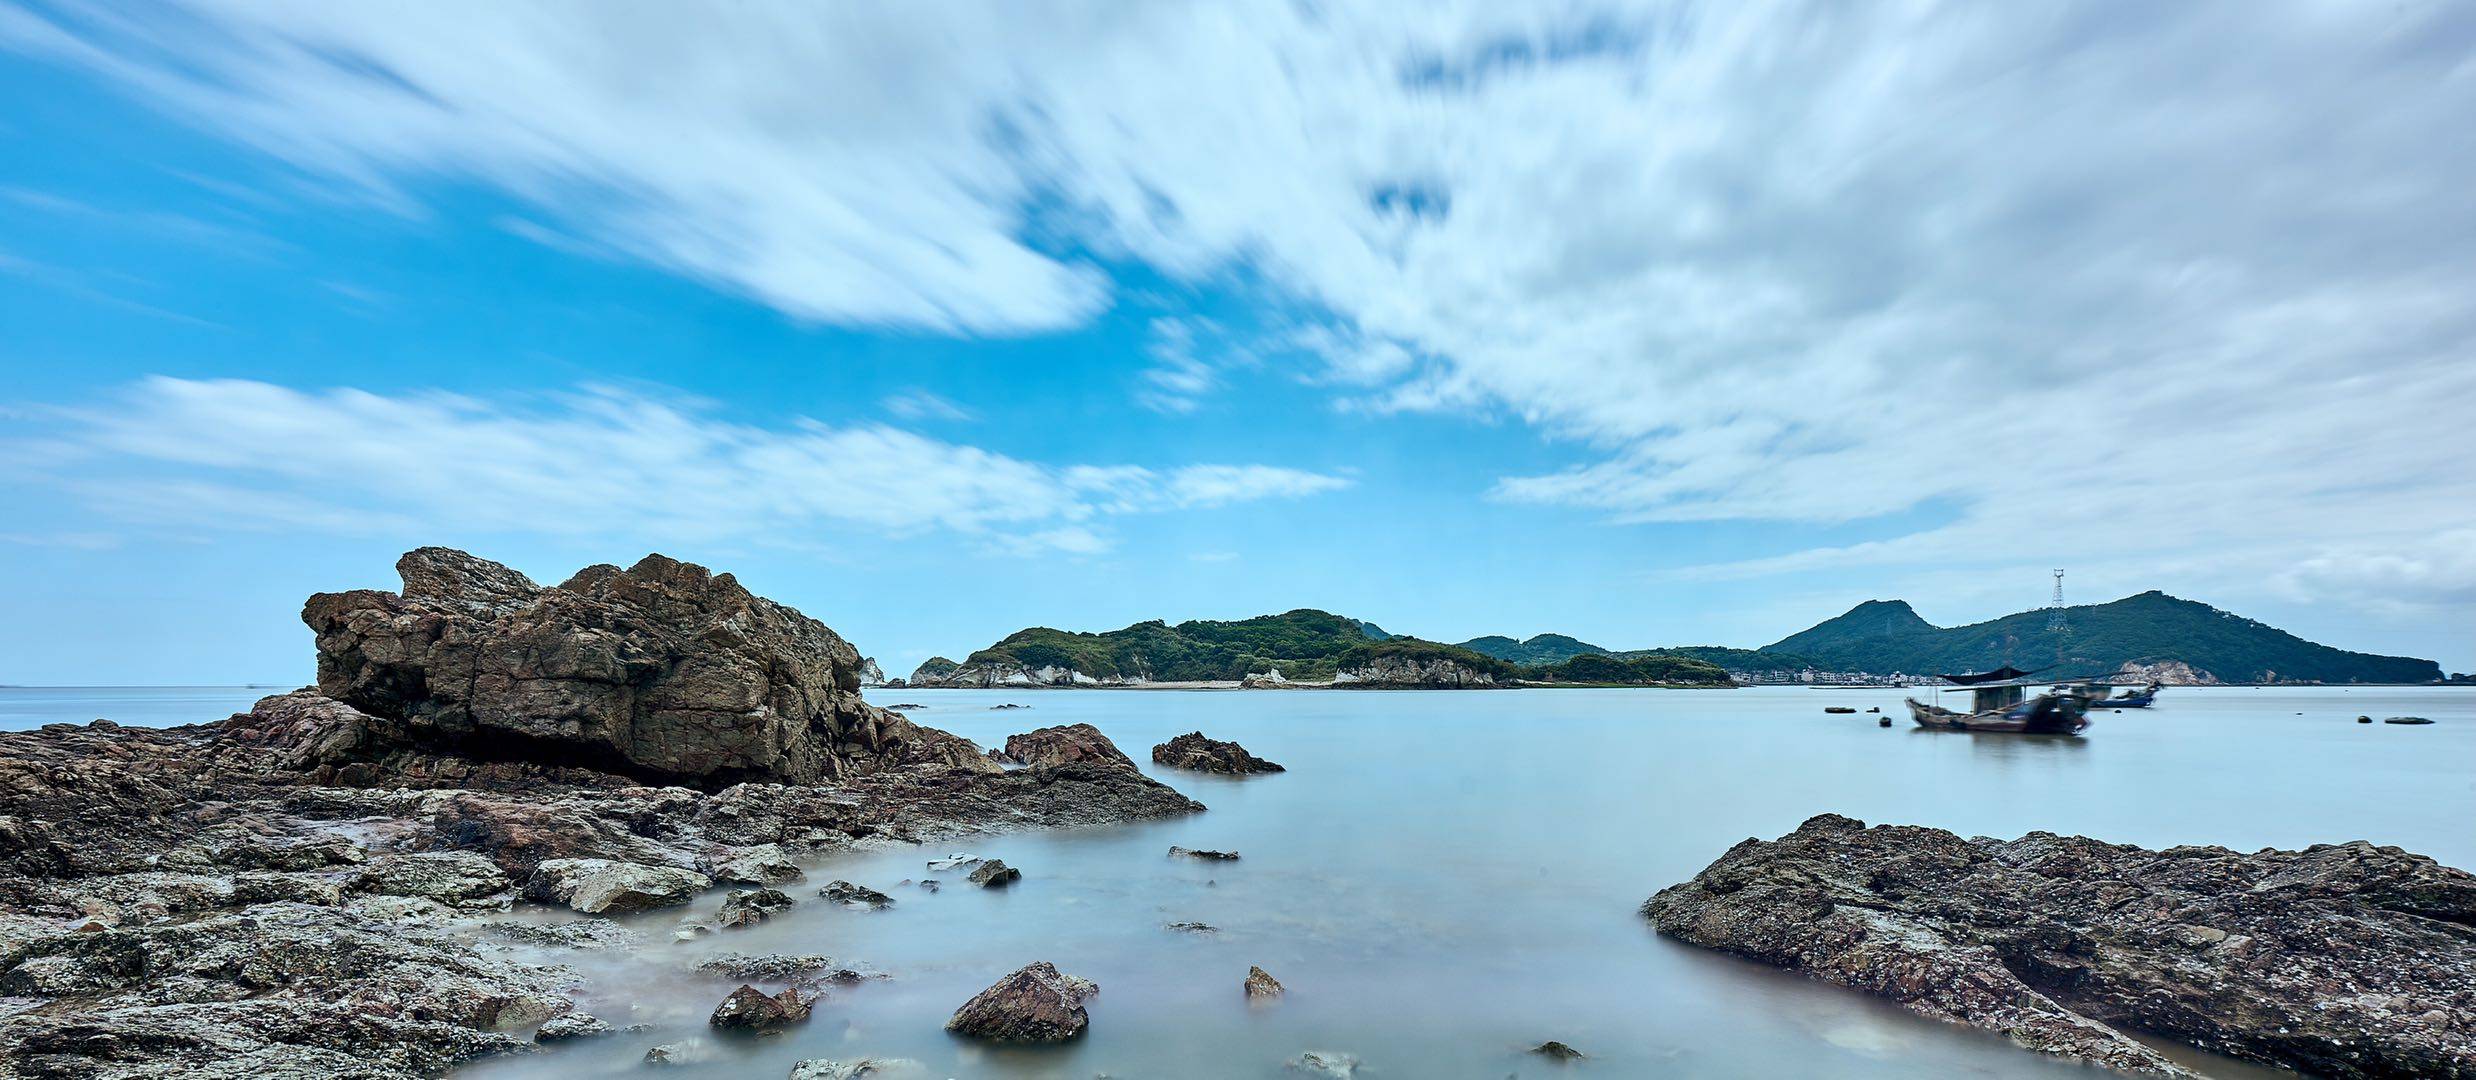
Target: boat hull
[[2049, 715]]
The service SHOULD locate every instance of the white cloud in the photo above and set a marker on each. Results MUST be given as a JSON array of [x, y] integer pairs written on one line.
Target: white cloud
[[2200, 265], [597, 461]]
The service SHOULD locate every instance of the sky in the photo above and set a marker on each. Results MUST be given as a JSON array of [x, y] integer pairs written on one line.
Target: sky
[[1653, 324]]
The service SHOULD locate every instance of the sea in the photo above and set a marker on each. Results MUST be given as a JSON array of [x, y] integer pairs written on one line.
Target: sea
[[1443, 880]]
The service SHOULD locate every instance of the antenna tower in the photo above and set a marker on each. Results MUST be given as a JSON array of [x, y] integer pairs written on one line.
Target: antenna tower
[[2056, 622]]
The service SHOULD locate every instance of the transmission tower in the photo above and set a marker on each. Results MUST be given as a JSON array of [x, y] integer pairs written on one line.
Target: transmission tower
[[2056, 621]]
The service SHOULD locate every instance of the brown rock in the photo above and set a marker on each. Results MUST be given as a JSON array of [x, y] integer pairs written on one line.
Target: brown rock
[[1062, 744], [1193, 751], [995, 874], [1035, 1004], [1261, 985], [663, 671], [753, 1010]]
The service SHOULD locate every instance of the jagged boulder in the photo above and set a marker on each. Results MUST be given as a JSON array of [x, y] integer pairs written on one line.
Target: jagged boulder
[[1035, 1004], [1193, 751], [449, 877], [1062, 744], [605, 887], [663, 671], [754, 1010], [2340, 960]]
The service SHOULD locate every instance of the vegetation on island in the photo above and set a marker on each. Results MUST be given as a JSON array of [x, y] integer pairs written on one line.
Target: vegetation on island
[[1887, 636], [1647, 669]]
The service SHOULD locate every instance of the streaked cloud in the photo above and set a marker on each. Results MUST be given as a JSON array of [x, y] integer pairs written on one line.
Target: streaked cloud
[[597, 461]]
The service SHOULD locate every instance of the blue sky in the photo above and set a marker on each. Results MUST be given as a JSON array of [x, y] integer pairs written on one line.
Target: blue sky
[[1647, 324]]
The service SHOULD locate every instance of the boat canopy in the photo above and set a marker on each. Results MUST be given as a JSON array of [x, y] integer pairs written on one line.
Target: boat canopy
[[2006, 673]]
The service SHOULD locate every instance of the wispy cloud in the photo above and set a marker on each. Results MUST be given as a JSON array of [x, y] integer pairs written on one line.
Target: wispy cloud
[[598, 461], [1778, 262], [922, 405]]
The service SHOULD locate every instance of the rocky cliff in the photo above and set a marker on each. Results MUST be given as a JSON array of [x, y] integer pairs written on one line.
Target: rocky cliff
[[1412, 672], [663, 671]]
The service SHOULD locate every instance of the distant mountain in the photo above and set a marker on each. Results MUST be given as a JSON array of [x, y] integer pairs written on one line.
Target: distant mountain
[[2151, 631], [1541, 649]]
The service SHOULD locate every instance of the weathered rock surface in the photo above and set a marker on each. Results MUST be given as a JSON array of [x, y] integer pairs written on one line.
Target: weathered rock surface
[[1409, 672], [664, 671], [1261, 985], [574, 1025], [609, 887], [1035, 1004], [1556, 1051], [764, 864], [748, 907], [754, 1010], [1193, 751], [863, 1069], [1324, 1063], [2344, 960], [1063, 744], [995, 874], [289, 892]]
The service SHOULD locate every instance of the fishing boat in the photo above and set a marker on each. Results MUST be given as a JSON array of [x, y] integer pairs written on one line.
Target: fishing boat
[[2136, 699], [1999, 703]]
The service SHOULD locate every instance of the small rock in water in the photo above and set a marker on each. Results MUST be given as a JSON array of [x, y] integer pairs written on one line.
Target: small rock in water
[[685, 1052], [1035, 1004], [1839, 708], [2364, 719], [1194, 751], [1556, 1050], [1193, 853], [995, 874], [748, 907], [931, 885], [1008, 705], [1325, 1063], [844, 892], [691, 932], [1884, 722], [751, 1009], [574, 1025], [768, 967], [609, 887], [950, 862], [1261, 985], [1191, 927], [2405, 720], [863, 1069]]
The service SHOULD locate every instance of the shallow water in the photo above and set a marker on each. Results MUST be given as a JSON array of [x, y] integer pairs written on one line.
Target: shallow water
[[24, 707], [1442, 879]]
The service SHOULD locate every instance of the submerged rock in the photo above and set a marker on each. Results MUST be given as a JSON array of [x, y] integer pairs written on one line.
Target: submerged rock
[[863, 1069], [1193, 751], [751, 1009], [1324, 1063], [995, 874], [844, 892], [1191, 927], [1193, 853], [768, 967], [603, 886], [1035, 1004], [683, 1052], [2066, 943], [1261, 985], [2413, 720], [1062, 744], [950, 862], [1557, 1051]]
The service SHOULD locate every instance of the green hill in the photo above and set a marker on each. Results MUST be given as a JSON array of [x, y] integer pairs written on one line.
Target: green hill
[[1732, 659], [1541, 649], [1887, 636], [1649, 669], [1302, 644]]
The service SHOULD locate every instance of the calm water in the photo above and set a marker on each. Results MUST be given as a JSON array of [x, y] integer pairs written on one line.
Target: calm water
[[1442, 879], [23, 707]]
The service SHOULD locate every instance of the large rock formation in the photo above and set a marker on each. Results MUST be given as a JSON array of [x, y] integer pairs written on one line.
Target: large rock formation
[[664, 671], [2344, 960], [1415, 673], [278, 893]]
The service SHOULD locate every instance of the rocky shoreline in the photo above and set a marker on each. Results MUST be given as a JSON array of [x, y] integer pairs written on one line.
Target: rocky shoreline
[[312, 888], [2345, 960]]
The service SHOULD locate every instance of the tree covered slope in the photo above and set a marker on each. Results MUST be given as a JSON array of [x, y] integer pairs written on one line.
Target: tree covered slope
[[1886, 636]]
